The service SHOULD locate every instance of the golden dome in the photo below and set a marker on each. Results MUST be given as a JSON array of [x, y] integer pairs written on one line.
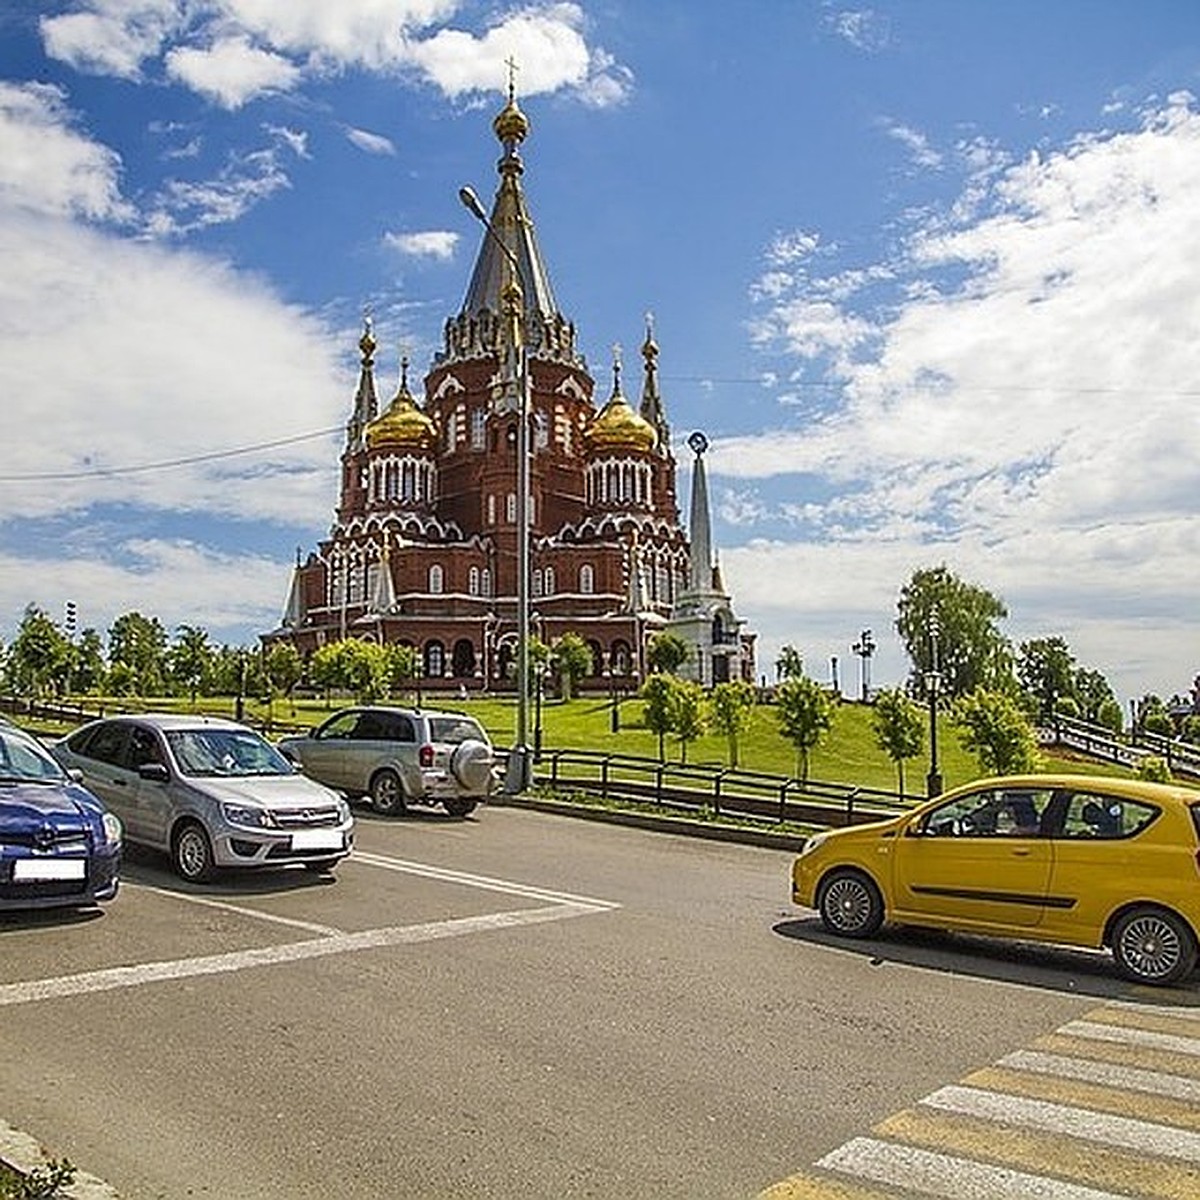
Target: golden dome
[[618, 427], [403, 424], [511, 124]]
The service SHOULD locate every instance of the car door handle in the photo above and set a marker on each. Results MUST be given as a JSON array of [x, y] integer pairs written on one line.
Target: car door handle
[[1020, 852], [119, 782]]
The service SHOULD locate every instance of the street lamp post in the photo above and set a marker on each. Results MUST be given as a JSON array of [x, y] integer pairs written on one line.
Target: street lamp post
[[518, 775], [537, 724], [933, 684], [864, 648]]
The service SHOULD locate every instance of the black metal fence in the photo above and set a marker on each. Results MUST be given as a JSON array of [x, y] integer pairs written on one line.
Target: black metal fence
[[699, 788], [1182, 758]]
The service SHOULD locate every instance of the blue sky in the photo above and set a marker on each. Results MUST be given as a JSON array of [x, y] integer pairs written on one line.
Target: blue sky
[[927, 274]]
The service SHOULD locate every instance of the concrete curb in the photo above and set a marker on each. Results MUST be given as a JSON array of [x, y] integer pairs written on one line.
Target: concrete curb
[[711, 830], [25, 1154]]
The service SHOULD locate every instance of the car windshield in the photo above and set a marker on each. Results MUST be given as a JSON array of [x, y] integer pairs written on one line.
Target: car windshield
[[225, 752], [22, 760], [455, 729]]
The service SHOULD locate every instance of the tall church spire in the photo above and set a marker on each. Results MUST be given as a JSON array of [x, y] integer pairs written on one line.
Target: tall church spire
[[366, 402], [652, 410], [700, 576]]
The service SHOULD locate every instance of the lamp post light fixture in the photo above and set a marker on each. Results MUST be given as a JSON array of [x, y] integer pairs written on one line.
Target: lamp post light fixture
[[518, 775], [933, 685], [864, 648]]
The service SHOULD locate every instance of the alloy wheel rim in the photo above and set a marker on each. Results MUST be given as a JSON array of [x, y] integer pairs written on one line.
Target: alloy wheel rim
[[191, 852], [1150, 946], [848, 903]]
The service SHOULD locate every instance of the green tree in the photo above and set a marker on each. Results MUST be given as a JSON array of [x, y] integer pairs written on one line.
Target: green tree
[[992, 726], [689, 714], [657, 715], [667, 652], [140, 644], [191, 658], [805, 711], [1154, 769], [731, 706], [1109, 715], [285, 669], [790, 663], [328, 668], [1094, 694], [36, 653], [1046, 669], [365, 667], [404, 669], [87, 674], [572, 661], [971, 651], [899, 729]]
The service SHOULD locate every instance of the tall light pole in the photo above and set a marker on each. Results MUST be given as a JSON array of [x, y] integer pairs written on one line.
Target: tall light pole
[[933, 684], [864, 648], [518, 775]]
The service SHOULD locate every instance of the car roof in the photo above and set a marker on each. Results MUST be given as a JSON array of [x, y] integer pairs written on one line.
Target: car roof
[[170, 721], [407, 712], [1121, 785]]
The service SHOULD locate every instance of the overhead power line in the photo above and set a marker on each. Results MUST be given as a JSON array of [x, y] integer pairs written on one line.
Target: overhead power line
[[167, 464]]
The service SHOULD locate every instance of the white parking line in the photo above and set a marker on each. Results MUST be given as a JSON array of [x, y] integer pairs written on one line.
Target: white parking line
[[484, 882], [115, 978], [241, 910]]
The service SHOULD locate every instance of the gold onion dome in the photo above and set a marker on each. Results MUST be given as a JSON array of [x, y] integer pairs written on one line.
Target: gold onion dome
[[617, 426], [510, 123], [403, 424]]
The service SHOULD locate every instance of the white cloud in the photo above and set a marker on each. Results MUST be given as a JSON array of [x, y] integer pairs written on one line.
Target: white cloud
[[46, 166], [1026, 414], [916, 143], [864, 29], [158, 580], [182, 355], [432, 243], [231, 71], [233, 51], [370, 143]]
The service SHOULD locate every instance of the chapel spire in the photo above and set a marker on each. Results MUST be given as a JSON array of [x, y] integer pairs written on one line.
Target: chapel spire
[[651, 408], [366, 402]]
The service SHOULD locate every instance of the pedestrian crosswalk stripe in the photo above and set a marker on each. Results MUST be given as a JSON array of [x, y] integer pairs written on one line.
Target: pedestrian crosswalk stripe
[[1119, 1075], [1102, 1032], [1058, 1159], [1119, 1054], [1074, 1122], [1159, 1109], [948, 1176], [1181, 1021], [808, 1187]]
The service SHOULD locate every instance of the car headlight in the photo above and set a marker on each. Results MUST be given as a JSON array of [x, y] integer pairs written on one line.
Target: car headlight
[[248, 815], [816, 840], [112, 828], [343, 811]]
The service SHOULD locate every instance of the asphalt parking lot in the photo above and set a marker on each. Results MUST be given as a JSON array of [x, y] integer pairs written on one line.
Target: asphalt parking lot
[[512, 1005]]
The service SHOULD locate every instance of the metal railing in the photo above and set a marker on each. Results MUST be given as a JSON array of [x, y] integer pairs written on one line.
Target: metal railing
[[1096, 741], [697, 788]]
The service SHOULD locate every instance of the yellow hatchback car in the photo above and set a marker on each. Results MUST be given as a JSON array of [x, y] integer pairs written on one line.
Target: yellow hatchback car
[[1077, 860]]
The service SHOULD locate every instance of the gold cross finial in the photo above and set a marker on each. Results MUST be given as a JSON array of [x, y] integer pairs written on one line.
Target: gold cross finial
[[511, 64]]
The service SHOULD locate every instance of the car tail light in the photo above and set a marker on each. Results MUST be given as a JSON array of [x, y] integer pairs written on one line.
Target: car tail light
[[425, 755]]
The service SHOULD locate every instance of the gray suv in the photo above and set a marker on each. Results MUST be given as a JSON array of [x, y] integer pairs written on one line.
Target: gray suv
[[399, 757]]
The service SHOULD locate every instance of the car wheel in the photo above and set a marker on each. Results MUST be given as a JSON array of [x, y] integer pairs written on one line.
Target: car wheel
[[1152, 945], [191, 853], [459, 806], [387, 793], [850, 904], [471, 765]]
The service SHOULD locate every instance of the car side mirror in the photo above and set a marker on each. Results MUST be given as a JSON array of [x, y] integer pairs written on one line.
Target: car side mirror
[[153, 772], [74, 774]]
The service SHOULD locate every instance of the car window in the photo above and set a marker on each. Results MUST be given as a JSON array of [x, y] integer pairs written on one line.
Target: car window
[[1092, 815], [22, 759], [371, 727], [397, 727], [143, 747], [340, 726], [208, 752], [105, 743], [455, 729], [995, 812]]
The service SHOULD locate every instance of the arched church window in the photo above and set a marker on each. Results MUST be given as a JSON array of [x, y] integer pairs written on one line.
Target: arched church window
[[473, 581], [478, 423], [491, 510], [486, 581], [435, 659], [510, 508], [436, 579], [548, 581], [587, 579], [541, 431]]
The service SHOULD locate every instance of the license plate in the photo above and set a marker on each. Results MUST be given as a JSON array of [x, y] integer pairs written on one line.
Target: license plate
[[316, 839], [43, 870]]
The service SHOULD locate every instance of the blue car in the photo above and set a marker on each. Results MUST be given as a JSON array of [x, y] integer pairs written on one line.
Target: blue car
[[59, 847]]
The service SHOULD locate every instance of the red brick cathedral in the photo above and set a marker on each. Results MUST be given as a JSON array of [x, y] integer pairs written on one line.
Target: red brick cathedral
[[424, 550]]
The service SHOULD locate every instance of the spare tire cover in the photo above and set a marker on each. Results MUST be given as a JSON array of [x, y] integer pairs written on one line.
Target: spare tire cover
[[471, 765]]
